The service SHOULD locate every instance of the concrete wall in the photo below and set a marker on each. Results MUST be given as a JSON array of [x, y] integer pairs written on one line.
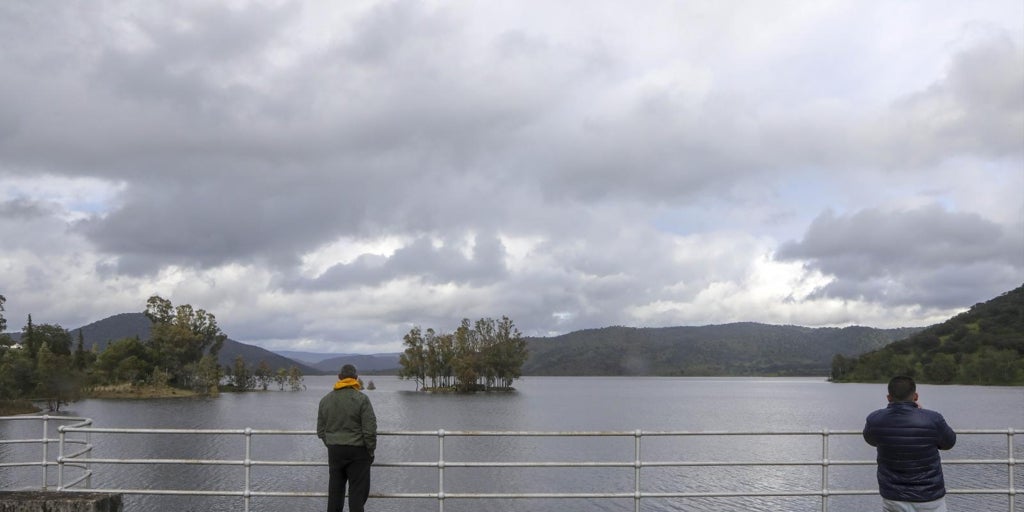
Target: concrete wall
[[51, 501]]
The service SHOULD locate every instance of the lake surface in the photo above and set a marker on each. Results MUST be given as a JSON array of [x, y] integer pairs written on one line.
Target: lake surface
[[542, 404]]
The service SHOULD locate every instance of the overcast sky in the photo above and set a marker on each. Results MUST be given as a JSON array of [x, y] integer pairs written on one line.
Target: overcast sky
[[323, 176]]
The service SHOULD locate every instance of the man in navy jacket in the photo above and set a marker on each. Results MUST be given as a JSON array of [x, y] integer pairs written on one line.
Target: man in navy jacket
[[908, 439]]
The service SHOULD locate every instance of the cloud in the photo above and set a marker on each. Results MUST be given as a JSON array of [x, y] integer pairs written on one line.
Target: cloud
[[432, 264], [927, 256], [977, 108], [330, 174]]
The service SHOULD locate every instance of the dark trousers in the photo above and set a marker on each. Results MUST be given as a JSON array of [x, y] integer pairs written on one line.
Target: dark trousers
[[349, 464]]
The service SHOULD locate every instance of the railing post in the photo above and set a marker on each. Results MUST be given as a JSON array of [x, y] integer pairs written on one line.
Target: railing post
[[246, 493], [824, 470], [88, 468], [636, 465], [60, 460], [440, 470], [1009, 469], [46, 423]]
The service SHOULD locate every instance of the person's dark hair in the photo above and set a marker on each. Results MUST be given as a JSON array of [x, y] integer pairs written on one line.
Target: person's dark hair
[[902, 388], [348, 372]]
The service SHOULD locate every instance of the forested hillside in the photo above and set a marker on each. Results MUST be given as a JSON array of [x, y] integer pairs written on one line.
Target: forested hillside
[[135, 325], [731, 349], [984, 345]]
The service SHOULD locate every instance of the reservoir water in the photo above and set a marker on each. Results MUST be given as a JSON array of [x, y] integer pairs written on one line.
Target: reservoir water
[[541, 404]]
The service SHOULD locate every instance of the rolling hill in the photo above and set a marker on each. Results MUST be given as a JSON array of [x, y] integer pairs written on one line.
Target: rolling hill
[[984, 345], [729, 349], [129, 325]]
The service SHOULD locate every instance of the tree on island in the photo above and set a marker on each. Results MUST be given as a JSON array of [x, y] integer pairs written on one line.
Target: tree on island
[[180, 336], [486, 355]]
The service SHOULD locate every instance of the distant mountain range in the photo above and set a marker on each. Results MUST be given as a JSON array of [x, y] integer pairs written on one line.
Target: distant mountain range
[[331, 363], [730, 349]]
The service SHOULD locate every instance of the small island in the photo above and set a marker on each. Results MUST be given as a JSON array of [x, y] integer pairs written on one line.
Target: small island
[[486, 356]]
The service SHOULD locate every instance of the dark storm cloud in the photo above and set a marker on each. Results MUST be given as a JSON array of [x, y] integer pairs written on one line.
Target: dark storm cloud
[[222, 219], [22, 209], [926, 256]]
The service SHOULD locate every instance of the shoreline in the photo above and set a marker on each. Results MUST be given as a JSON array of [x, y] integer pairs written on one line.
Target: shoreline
[[125, 391]]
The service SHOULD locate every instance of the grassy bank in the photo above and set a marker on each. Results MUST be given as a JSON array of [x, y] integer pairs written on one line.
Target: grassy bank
[[138, 392], [14, 407]]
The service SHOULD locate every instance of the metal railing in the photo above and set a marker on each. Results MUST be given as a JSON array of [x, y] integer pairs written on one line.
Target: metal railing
[[45, 441], [81, 460]]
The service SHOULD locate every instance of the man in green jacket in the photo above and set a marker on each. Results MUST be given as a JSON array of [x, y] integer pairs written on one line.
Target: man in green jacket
[[346, 424]]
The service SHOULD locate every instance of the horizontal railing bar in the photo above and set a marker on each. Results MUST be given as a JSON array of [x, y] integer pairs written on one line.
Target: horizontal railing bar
[[44, 417], [105, 430], [978, 461], [500, 433], [27, 464], [291, 463], [554, 464], [527, 495], [660, 464], [978, 491], [497, 464], [194, 462], [162, 492]]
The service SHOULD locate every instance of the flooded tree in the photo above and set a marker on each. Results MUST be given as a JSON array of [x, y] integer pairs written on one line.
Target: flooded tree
[[486, 355]]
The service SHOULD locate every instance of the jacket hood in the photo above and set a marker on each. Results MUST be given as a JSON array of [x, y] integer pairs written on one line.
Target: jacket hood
[[347, 383]]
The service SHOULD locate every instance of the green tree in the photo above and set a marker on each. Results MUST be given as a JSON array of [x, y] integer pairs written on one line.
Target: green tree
[[19, 371], [295, 378], [28, 338], [82, 359], [942, 369], [281, 378], [465, 362], [263, 375], [181, 335], [841, 367], [124, 360], [8, 386], [509, 353], [57, 338], [241, 378], [208, 376], [132, 369], [413, 360], [58, 384], [159, 377]]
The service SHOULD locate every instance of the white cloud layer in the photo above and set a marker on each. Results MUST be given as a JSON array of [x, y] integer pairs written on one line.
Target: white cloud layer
[[324, 176]]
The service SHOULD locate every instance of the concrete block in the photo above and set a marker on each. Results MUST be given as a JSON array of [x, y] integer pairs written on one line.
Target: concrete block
[[52, 501]]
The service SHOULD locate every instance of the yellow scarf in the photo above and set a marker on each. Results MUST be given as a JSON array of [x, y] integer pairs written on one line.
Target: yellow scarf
[[347, 383]]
